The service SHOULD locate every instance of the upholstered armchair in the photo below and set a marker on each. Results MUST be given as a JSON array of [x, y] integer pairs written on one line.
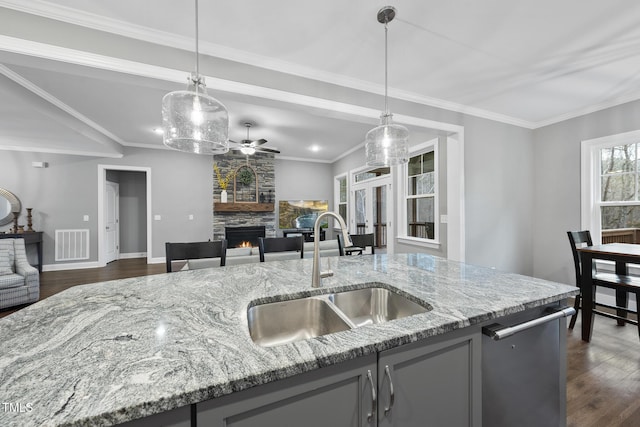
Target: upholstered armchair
[[19, 281]]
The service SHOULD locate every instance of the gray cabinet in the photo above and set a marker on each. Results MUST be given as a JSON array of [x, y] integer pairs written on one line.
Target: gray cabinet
[[436, 382], [339, 395]]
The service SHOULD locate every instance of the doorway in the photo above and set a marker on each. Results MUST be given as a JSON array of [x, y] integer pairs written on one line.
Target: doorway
[[143, 214], [370, 209]]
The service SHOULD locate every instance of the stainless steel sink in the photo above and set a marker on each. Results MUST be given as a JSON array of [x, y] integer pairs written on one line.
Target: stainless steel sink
[[288, 321], [375, 305], [284, 322]]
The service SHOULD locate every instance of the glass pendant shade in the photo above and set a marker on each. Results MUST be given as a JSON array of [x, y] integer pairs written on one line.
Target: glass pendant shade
[[387, 144], [195, 122]]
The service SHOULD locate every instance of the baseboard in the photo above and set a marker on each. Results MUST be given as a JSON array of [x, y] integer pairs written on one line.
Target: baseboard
[[133, 255], [71, 266], [157, 260]]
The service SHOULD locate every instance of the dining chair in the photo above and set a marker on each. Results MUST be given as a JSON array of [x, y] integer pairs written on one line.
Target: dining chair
[[196, 250], [360, 241], [281, 248], [622, 284]]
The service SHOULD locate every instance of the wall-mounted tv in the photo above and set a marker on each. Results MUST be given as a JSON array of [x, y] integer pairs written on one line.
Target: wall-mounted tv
[[301, 213]]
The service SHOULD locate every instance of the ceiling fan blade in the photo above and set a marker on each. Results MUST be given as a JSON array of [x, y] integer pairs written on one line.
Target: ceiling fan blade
[[258, 142], [267, 150]]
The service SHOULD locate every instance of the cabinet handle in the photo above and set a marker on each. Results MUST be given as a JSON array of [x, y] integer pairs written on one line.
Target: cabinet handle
[[392, 396], [374, 399]]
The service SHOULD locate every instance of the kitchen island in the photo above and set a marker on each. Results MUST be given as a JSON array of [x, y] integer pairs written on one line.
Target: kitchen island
[[111, 352]]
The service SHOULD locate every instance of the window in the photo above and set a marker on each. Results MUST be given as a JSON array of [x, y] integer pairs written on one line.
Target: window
[[611, 188], [421, 194], [619, 202], [340, 197], [419, 215]]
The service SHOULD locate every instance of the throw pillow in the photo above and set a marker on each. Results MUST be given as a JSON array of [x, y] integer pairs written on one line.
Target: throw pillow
[[5, 263]]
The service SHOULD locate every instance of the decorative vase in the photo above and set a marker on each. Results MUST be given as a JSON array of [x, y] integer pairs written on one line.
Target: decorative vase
[[223, 196]]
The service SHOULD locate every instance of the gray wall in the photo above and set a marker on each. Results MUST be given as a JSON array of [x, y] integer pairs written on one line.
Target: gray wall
[[557, 184], [61, 194]]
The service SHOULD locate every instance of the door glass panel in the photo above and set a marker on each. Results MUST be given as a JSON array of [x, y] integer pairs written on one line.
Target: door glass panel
[[361, 210], [380, 215]]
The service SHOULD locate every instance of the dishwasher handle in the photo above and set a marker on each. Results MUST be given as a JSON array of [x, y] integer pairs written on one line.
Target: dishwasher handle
[[497, 331]]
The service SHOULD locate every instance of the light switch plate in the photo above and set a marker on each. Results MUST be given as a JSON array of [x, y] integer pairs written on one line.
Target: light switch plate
[[85, 218], [191, 217], [444, 219], [157, 217]]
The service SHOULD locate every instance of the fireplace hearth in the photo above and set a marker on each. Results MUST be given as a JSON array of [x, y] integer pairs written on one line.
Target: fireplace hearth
[[236, 236]]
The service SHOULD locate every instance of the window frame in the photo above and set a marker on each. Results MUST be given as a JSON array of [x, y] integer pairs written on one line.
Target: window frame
[[336, 198], [402, 178]]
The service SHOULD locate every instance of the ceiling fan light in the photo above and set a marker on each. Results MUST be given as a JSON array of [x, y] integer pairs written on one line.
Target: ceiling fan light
[[248, 150], [387, 144], [195, 122]]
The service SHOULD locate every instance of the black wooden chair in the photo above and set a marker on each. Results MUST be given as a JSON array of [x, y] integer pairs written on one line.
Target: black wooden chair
[[195, 250], [622, 284], [293, 245], [359, 241]]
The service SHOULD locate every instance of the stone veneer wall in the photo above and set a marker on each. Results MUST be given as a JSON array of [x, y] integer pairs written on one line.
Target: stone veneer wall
[[263, 163]]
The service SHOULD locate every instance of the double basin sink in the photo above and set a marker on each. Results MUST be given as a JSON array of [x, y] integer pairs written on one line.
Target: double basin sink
[[284, 322]]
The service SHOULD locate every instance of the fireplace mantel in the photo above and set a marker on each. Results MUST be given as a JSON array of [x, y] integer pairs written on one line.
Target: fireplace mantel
[[243, 207]]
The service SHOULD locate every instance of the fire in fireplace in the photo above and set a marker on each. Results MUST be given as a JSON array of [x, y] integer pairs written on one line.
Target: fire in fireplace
[[243, 236]]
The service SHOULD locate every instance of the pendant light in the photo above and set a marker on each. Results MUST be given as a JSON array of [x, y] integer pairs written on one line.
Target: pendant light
[[193, 121], [387, 144]]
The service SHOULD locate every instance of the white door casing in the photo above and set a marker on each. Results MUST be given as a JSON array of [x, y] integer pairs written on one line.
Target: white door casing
[[112, 221]]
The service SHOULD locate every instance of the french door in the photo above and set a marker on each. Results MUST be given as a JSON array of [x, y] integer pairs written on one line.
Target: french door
[[371, 210]]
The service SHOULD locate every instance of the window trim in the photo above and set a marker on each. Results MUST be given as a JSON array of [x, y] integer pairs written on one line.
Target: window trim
[[336, 198], [590, 218], [402, 171]]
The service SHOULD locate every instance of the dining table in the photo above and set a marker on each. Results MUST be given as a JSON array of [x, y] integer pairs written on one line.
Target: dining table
[[622, 254]]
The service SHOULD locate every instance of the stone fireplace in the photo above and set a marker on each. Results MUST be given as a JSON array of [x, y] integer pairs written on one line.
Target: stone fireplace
[[244, 236], [263, 164]]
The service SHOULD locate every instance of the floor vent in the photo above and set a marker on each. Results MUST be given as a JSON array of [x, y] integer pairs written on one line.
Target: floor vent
[[72, 245]]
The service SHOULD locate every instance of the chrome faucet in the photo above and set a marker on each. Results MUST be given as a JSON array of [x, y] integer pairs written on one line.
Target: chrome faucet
[[316, 275]]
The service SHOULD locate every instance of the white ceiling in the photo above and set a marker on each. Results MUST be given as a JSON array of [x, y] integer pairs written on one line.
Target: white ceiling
[[527, 63]]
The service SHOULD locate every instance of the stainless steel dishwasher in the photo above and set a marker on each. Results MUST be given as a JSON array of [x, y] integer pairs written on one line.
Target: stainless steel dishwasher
[[524, 369]]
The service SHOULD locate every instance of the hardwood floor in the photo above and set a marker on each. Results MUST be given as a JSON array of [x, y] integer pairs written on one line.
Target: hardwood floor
[[603, 376]]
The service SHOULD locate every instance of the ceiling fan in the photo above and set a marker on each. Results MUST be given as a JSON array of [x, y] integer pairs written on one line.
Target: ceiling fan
[[249, 147]]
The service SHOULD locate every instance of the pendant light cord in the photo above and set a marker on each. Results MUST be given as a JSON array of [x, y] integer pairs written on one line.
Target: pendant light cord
[[197, 53], [386, 105]]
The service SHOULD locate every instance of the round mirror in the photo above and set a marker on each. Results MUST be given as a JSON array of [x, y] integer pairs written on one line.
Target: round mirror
[[9, 203]]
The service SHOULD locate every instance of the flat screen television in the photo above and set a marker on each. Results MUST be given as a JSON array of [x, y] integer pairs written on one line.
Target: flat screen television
[[301, 213]]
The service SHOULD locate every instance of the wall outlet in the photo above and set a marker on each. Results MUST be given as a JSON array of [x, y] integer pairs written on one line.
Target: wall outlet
[[157, 217], [191, 217]]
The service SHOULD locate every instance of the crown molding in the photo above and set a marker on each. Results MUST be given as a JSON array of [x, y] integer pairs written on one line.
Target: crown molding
[[302, 159], [588, 110]]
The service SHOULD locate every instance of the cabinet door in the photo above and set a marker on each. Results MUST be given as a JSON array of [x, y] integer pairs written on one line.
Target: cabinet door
[[435, 382], [339, 395]]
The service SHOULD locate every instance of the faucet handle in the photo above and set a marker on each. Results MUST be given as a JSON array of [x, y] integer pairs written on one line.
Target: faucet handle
[[328, 272]]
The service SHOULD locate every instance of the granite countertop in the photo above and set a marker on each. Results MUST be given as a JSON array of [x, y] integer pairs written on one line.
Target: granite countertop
[[109, 352]]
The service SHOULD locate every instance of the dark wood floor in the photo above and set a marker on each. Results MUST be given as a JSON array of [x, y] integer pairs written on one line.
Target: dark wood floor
[[603, 379]]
